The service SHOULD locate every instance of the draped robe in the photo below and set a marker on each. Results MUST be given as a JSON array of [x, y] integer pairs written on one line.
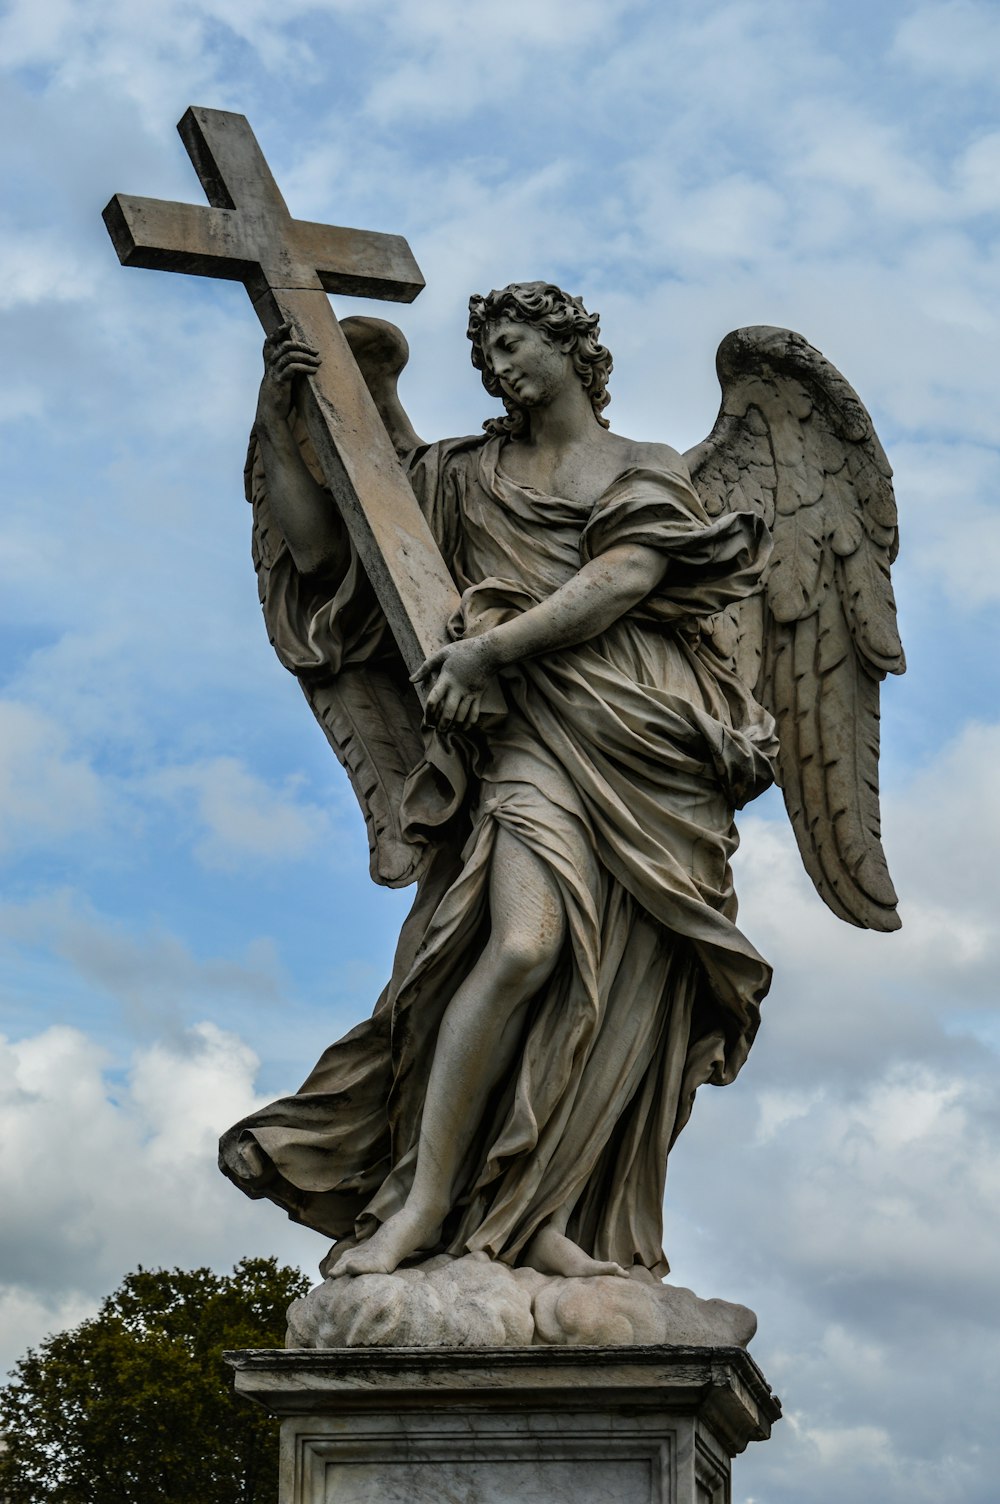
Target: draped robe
[[619, 764]]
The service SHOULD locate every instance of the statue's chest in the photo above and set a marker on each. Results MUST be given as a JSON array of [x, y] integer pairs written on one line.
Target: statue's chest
[[538, 545], [579, 483]]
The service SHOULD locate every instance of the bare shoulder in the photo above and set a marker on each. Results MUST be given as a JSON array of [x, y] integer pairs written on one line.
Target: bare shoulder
[[651, 456]]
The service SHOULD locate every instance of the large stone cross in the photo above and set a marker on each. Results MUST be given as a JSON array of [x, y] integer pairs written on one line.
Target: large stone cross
[[288, 266]]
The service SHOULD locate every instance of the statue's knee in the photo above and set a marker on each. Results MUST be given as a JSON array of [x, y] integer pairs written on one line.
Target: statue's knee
[[526, 959]]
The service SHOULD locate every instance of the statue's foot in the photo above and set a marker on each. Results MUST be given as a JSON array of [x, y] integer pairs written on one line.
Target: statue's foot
[[403, 1233], [551, 1252], [339, 1251]]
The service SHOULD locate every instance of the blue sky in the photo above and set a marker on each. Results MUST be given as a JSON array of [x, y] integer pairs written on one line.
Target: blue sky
[[186, 916]]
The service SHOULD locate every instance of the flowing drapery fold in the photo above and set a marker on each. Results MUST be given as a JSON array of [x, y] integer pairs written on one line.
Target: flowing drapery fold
[[619, 765]]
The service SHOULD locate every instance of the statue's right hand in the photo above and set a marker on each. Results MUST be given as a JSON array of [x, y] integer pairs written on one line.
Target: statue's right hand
[[286, 356]]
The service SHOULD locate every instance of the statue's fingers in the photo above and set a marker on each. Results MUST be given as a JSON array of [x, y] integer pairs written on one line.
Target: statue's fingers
[[277, 335], [296, 352], [449, 708], [288, 374], [292, 368], [429, 666], [474, 708], [432, 705], [462, 710], [297, 347]]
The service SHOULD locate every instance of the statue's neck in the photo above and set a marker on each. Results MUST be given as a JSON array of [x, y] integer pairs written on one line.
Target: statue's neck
[[567, 420]]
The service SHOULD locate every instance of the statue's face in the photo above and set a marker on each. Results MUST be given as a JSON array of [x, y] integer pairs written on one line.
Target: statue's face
[[529, 367]]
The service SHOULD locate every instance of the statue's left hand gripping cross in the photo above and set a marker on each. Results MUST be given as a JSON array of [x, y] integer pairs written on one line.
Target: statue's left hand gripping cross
[[288, 266]]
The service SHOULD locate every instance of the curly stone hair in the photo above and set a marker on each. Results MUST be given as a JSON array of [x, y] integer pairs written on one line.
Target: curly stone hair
[[564, 320]]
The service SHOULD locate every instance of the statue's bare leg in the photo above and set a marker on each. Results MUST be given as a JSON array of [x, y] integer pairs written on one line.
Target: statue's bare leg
[[477, 1043]]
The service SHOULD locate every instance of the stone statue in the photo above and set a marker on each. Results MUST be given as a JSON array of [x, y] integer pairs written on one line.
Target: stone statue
[[642, 643], [670, 634]]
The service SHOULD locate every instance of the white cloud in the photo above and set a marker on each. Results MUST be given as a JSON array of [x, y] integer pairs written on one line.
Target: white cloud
[[26, 1318], [978, 173], [47, 792], [939, 830], [861, 1212], [957, 40], [449, 58], [848, 147], [35, 268], [779, 1109], [217, 1068], [150, 978], [952, 520], [904, 1178], [688, 168], [945, 826], [51, 795], [101, 1173], [861, 1446], [242, 817], [863, 1232], [141, 54]]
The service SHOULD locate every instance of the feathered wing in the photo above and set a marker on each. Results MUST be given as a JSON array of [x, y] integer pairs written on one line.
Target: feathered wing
[[794, 444], [369, 712]]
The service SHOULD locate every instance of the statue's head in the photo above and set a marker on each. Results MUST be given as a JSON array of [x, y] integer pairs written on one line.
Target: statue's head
[[563, 321]]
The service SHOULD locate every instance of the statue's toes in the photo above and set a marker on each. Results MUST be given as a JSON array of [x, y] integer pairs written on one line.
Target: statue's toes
[[607, 1267]]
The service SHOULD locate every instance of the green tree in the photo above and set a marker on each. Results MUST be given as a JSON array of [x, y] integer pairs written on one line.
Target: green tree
[[136, 1405]]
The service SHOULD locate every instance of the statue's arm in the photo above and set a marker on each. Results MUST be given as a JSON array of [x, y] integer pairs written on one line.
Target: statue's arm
[[603, 590], [302, 510], [594, 598]]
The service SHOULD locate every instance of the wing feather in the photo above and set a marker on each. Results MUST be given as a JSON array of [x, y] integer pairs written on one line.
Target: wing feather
[[381, 352], [794, 576], [369, 712], [364, 713], [826, 617]]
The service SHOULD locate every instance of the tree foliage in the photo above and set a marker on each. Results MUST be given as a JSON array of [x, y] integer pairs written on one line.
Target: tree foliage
[[136, 1405]]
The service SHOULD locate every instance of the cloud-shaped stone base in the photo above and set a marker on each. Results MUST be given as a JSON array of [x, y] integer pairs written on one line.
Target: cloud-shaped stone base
[[475, 1302]]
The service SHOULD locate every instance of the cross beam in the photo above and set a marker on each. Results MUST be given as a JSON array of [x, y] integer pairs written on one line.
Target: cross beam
[[288, 266]]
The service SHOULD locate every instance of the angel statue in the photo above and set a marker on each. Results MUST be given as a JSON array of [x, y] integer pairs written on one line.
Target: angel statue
[[671, 634]]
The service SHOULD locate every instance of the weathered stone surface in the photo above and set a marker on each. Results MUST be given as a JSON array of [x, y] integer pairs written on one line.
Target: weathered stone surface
[[646, 1425], [616, 1312], [571, 972], [476, 1302], [643, 641], [288, 266]]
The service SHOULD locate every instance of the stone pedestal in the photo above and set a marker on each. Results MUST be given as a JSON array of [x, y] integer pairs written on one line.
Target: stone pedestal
[[635, 1425]]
